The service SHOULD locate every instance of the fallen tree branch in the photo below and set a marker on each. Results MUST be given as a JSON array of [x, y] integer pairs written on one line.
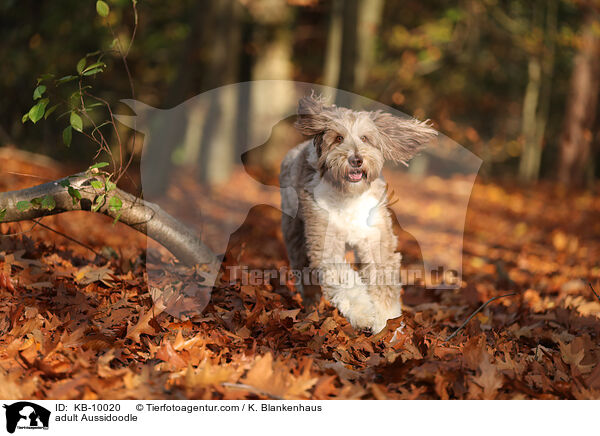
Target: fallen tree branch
[[145, 217], [476, 312]]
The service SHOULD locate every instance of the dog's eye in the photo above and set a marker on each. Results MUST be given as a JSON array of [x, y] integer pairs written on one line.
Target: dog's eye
[[339, 138], [364, 139]]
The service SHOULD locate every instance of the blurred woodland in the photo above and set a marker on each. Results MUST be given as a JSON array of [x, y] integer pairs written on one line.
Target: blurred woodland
[[514, 81]]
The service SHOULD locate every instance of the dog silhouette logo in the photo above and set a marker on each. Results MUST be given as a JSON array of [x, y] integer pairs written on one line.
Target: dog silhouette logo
[[26, 415], [231, 140]]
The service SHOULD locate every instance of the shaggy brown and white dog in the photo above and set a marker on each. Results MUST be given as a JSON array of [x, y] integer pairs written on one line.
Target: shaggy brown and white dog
[[342, 201]]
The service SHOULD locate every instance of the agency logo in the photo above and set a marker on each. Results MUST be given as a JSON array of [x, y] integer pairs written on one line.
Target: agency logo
[[26, 416]]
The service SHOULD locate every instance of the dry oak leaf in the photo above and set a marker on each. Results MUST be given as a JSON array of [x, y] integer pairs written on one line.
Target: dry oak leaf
[[12, 385], [167, 353], [208, 373], [573, 353], [104, 368], [488, 378], [17, 258], [273, 377], [5, 281], [182, 344], [90, 274], [143, 324]]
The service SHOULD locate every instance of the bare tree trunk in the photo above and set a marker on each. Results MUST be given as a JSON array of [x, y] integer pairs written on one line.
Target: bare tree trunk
[[529, 164], [220, 133], [576, 141], [369, 18], [537, 94], [347, 77], [342, 49], [331, 71], [547, 73], [273, 39], [138, 214], [169, 136]]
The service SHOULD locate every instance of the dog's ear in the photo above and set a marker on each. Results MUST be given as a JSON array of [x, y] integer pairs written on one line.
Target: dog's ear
[[401, 139], [311, 119]]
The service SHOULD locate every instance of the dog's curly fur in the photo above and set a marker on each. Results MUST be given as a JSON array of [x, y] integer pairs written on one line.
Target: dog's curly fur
[[343, 204]]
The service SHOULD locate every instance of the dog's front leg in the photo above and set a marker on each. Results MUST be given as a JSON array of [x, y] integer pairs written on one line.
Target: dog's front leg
[[340, 284], [380, 268]]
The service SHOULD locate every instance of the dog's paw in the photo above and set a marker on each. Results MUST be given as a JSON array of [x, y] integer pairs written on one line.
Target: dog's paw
[[361, 314], [354, 303], [361, 321], [378, 325], [383, 314]]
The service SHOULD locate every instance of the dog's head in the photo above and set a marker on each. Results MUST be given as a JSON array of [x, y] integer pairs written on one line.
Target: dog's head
[[352, 146]]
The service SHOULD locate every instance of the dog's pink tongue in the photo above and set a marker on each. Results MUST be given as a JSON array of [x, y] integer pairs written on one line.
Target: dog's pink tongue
[[355, 177]]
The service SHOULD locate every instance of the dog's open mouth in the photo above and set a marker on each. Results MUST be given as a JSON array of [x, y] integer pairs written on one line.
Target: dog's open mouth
[[355, 175]]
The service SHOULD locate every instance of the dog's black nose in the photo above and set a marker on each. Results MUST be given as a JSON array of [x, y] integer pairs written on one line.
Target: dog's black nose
[[355, 161]]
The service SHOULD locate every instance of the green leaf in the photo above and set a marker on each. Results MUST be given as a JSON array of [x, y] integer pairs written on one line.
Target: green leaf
[[22, 206], [97, 184], [93, 71], [106, 123], [81, 65], [37, 112], [99, 165], [65, 183], [67, 135], [75, 99], [36, 201], [50, 110], [48, 202], [76, 122], [43, 77], [63, 114], [92, 106], [98, 203], [102, 8], [25, 118], [115, 203], [39, 91], [94, 65], [75, 194], [110, 186], [66, 79], [2, 214]]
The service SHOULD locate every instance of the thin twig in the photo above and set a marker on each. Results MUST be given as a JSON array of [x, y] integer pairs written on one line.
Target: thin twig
[[592, 288], [21, 232], [135, 26], [70, 239], [476, 312], [123, 54], [102, 142], [114, 125], [26, 175]]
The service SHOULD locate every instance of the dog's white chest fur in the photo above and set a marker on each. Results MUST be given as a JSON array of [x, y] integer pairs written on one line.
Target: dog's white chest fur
[[356, 216]]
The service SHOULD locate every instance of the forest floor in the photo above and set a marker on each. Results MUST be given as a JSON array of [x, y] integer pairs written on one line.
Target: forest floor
[[76, 326]]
